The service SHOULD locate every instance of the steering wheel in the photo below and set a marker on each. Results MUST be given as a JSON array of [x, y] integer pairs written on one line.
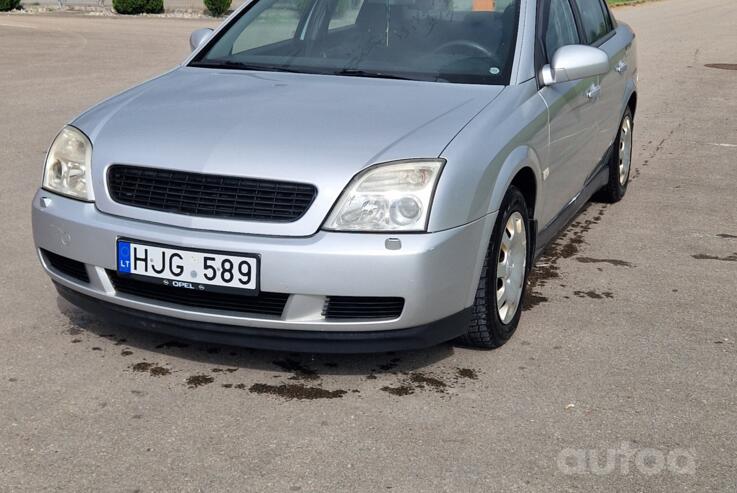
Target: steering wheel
[[463, 43]]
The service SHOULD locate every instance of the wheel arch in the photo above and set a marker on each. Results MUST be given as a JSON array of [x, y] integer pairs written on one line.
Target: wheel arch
[[522, 169], [632, 103], [630, 97]]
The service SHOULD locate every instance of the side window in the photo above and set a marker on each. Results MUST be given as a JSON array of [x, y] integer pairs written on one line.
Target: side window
[[271, 25], [595, 22], [561, 29], [345, 14]]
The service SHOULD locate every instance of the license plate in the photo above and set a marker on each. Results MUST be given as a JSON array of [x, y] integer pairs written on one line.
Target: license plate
[[189, 269]]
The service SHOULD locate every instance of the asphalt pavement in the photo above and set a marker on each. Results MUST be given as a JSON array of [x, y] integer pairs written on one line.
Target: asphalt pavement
[[628, 351]]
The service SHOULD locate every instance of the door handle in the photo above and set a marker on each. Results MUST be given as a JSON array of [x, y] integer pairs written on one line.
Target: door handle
[[621, 67], [593, 91]]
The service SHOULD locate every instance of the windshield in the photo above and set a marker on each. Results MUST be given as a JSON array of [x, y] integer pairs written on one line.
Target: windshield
[[464, 41]]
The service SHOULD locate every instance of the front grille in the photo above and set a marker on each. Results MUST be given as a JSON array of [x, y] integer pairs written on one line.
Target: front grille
[[71, 268], [261, 304], [342, 307], [197, 194]]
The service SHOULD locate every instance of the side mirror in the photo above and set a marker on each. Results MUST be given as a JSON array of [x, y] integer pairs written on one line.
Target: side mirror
[[575, 62], [198, 37]]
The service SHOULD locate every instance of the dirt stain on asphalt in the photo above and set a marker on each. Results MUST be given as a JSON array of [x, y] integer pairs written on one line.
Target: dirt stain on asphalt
[[296, 391], [151, 368], [614, 262], [303, 382], [414, 382], [534, 298], [566, 246], [404, 382], [729, 258], [421, 381], [300, 372], [399, 391], [727, 236], [195, 381], [159, 371], [142, 367], [467, 373], [594, 295]]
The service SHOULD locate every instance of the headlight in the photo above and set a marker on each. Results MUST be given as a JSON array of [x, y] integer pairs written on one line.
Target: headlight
[[67, 169], [388, 197]]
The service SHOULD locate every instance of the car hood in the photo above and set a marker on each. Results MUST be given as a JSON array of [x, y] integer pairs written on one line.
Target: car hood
[[316, 129]]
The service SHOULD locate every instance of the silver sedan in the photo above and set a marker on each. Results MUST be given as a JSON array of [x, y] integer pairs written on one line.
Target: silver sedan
[[343, 175]]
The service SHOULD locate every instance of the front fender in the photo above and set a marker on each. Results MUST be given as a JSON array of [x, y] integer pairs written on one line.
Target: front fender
[[483, 159], [520, 158]]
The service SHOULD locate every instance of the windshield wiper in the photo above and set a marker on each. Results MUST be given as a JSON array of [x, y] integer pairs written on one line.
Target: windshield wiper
[[355, 72], [230, 64], [348, 72]]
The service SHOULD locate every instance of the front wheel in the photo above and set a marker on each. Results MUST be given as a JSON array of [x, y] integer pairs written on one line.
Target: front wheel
[[501, 290]]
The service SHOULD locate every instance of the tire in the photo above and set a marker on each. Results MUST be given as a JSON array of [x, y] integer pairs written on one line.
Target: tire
[[491, 326], [620, 164]]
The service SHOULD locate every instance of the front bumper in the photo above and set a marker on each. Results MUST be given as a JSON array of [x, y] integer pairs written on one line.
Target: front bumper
[[435, 273], [275, 339]]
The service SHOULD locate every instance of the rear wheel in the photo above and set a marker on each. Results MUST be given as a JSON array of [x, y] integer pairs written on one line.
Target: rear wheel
[[501, 290], [621, 161]]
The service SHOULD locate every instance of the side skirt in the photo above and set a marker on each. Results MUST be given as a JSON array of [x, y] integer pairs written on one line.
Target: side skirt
[[596, 181]]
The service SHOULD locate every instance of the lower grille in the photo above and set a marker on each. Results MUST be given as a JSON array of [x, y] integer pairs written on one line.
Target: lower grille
[[71, 268], [352, 307], [261, 304]]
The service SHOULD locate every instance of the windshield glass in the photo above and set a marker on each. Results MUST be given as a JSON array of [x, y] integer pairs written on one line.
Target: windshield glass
[[466, 41]]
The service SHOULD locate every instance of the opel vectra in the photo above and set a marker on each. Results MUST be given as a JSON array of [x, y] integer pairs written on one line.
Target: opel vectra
[[343, 175]]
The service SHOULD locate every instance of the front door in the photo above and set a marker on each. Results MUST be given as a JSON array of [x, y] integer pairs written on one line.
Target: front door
[[572, 109]]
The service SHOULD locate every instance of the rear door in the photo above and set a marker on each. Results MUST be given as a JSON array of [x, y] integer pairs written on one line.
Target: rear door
[[617, 43], [572, 114]]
